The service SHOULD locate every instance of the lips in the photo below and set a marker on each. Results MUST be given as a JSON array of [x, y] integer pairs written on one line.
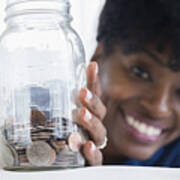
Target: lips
[[146, 132], [142, 127]]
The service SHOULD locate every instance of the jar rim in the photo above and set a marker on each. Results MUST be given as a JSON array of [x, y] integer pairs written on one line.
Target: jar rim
[[15, 2], [16, 8]]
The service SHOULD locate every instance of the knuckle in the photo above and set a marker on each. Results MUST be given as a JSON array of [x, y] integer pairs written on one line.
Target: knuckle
[[98, 107], [99, 141], [104, 111], [86, 124], [98, 133], [94, 103], [95, 124], [101, 137]]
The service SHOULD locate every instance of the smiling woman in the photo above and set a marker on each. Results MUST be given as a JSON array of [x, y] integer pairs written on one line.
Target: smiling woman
[[142, 107], [133, 82], [139, 74]]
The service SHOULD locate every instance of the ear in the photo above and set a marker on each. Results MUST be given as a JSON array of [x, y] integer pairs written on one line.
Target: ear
[[98, 55]]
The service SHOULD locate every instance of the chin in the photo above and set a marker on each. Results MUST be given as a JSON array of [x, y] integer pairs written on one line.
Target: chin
[[140, 154], [141, 157]]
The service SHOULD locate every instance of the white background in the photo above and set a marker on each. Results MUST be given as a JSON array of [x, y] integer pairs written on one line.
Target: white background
[[85, 14]]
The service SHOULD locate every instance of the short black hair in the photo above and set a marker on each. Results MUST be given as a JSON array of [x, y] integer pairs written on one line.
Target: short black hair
[[133, 24]]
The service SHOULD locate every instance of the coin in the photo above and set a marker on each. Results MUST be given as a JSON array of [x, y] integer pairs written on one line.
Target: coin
[[23, 159], [37, 118], [45, 127], [40, 139], [9, 153], [21, 151], [80, 159], [7, 156], [65, 157], [75, 141], [58, 145], [42, 134], [53, 157], [39, 153]]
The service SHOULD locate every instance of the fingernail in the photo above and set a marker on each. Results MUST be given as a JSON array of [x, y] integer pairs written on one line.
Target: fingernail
[[87, 95], [92, 147], [96, 68], [86, 114]]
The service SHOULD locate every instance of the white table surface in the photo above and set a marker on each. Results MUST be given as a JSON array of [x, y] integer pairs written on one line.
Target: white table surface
[[100, 173]]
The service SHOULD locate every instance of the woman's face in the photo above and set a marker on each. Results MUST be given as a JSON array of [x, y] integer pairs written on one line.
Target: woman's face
[[142, 96]]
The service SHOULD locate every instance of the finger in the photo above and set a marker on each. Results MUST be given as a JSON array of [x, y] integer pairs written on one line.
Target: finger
[[92, 103], [98, 90], [93, 155], [92, 124], [92, 79], [75, 98]]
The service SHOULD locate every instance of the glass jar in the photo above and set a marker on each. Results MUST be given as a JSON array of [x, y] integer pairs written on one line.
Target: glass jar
[[42, 65]]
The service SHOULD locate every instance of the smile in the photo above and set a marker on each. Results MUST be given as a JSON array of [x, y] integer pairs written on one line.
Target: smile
[[143, 131]]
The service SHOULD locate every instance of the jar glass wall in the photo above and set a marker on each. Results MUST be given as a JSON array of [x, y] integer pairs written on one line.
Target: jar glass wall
[[43, 64]]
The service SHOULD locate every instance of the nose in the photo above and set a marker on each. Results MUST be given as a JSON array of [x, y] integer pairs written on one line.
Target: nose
[[157, 102]]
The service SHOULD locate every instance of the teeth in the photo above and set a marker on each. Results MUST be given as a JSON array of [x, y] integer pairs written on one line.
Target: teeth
[[150, 131], [136, 124], [157, 131], [130, 120], [143, 128]]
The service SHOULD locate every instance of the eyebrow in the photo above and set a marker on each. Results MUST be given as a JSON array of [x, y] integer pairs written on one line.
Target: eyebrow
[[153, 57]]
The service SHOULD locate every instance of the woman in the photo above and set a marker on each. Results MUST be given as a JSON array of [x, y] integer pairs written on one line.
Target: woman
[[139, 63]]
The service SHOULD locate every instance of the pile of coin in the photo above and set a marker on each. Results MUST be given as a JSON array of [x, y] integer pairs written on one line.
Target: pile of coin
[[50, 144]]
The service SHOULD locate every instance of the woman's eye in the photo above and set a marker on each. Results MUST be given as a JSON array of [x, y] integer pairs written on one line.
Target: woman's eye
[[138, 71]]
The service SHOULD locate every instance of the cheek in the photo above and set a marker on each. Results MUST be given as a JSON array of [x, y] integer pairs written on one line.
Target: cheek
[[177, 107], [119, 86]]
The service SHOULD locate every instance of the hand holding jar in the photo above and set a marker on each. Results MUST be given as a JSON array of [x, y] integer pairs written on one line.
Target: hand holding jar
[[91, 116]]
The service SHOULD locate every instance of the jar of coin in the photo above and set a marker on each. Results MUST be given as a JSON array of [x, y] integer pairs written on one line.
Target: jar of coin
[[42, 65]]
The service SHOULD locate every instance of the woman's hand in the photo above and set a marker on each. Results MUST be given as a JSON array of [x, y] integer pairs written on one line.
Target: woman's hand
[[91, 115]]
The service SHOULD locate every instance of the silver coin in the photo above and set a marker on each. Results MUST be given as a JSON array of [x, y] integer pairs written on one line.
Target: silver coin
[[41, 137], [47, 127], [66, 152], [65, 157], [80, 159], [9, 151], [23, 159], [42, 134], [7, 156], [39, 153]]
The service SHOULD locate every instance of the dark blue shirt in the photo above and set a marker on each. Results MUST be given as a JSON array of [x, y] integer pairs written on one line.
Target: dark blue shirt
[[167, 156]]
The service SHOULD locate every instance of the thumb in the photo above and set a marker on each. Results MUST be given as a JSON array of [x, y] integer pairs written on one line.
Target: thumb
[[93, 83]]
